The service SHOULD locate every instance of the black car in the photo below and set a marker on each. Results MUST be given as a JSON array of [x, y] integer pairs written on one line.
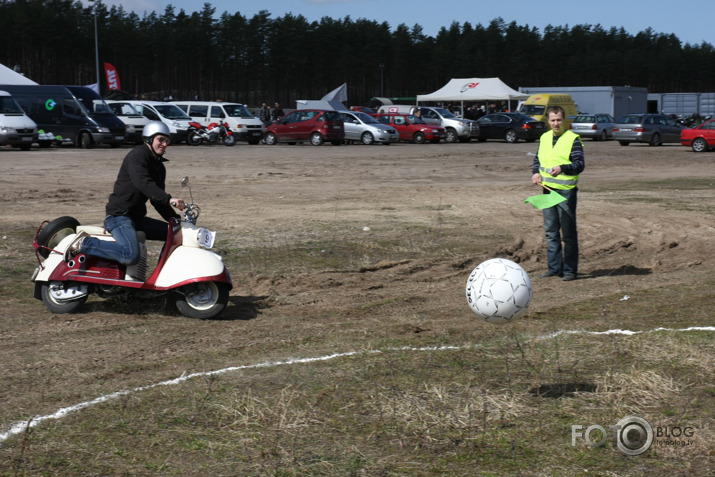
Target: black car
[[510, 126]]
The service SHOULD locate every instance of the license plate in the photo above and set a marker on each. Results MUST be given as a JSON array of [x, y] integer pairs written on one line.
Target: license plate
[[27, 139], [257, 134], [626, 129], [336, 127], [119, 138]]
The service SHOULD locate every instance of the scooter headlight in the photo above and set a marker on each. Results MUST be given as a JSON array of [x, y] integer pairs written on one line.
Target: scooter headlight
[[205, 238]]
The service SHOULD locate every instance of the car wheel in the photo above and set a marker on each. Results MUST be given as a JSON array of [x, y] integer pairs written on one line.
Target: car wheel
[[655, 140], [451, 136], [603, 136], [623, 143], [316, 139], [85, 141], [510, 136], [418, 138], [699, 145], [367, 138], [271, 139]]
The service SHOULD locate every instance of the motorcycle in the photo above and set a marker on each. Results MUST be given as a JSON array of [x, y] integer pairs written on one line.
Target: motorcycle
[[214, 133], [196, 277]]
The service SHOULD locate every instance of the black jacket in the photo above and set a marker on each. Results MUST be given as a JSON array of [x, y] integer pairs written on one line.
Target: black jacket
[[142, 177]]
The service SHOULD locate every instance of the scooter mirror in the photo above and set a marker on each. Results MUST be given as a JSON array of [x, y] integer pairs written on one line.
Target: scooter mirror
[[185, 181]]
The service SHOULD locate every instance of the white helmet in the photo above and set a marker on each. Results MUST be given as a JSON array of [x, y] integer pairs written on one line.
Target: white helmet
[[154, 128]]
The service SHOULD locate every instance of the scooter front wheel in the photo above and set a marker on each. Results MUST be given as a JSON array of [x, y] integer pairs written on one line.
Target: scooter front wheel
[[202, 300], [57, 296]]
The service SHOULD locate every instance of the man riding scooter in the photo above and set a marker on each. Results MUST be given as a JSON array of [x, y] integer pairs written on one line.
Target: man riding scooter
[[141, 177]]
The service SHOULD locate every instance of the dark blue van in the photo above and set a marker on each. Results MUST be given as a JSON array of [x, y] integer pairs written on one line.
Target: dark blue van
[[69, 114]]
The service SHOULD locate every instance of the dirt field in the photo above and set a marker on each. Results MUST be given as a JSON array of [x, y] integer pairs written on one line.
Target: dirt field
[[368, 243]]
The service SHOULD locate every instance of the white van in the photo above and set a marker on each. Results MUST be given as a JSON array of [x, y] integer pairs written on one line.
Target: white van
[[168, 113], [245, 126], [16, 127], [130, 116]]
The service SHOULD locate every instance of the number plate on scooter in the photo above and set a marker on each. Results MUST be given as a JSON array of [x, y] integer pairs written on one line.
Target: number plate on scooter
[[206, 238]]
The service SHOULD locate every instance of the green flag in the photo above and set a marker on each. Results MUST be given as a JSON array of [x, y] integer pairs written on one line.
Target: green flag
[[544, 201]]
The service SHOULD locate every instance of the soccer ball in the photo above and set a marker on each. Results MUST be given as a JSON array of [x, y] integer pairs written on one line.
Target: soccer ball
[[499, 290]]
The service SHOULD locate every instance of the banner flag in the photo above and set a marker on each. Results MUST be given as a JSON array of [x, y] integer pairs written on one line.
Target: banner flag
[[544, 201], [112, 77]]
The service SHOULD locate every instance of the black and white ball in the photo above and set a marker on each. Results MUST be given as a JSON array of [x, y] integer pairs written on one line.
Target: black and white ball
[[499, 290]]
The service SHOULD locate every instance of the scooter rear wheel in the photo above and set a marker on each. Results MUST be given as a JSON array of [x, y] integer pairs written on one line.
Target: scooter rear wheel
[[202, 300]]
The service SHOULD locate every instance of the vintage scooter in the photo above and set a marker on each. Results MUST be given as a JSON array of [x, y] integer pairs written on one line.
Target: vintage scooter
[[196, 277]]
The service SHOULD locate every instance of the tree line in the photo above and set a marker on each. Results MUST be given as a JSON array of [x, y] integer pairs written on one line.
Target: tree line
[[251, 60]]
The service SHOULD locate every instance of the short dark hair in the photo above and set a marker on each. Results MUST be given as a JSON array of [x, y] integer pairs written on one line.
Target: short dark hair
[[556, 110]]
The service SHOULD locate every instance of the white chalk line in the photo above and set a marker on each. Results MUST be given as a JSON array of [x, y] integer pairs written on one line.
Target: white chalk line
[[22, 426]]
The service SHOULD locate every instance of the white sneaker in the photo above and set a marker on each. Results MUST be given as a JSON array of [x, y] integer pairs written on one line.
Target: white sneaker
[[75, 246]]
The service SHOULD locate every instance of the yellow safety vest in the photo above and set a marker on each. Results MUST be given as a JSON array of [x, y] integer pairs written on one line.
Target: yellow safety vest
[[552, 155]]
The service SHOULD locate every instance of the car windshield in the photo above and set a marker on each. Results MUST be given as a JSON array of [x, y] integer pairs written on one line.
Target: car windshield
[[124, 109], [171, 111], [637, 119], [366, 118], [522, 117], [237, 111], [585, 119], [91, 101], [532, 109], [8, 105], [445, 113]]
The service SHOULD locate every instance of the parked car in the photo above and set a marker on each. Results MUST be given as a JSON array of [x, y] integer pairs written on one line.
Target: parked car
[[69, 115], [412, 129], [654, 129], [700, 138], [510, 126], [16, 127], [364, 128], [168, 113], [597, 126], [458, 129], [314, 125], [131, 117]]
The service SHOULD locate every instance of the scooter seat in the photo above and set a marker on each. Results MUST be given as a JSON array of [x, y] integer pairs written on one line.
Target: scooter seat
[[99, 230]]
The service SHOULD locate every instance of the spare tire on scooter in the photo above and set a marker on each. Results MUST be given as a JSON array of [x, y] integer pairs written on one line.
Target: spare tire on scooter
[[52, 234]]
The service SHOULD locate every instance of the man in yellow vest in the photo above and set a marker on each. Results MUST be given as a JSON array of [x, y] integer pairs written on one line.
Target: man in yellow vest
[[556, 167]]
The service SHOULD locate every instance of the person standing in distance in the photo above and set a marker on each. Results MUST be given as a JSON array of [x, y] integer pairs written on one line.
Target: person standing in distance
[[557, 165], [141, 177]]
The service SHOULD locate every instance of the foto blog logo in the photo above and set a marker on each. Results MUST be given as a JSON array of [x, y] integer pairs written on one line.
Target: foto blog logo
[[632, 435]]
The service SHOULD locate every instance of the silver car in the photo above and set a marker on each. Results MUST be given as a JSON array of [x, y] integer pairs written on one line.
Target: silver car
[[366, 129], [597, 126], [654, 129]]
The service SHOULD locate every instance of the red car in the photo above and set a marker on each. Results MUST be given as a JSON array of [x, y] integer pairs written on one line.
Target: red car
[[411, 128], [701, 138], [314, 125]]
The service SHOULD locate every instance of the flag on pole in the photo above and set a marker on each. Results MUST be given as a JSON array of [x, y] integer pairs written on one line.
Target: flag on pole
[[544, 201], [112, 76]]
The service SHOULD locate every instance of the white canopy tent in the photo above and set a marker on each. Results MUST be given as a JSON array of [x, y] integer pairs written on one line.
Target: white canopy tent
[[8, 76], [473, 89]]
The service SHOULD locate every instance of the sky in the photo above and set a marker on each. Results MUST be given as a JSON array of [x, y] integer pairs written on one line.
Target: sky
[[691, 20]]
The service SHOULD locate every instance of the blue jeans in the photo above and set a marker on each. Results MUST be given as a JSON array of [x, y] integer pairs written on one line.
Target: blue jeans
[[125, 248], [560, 224]]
